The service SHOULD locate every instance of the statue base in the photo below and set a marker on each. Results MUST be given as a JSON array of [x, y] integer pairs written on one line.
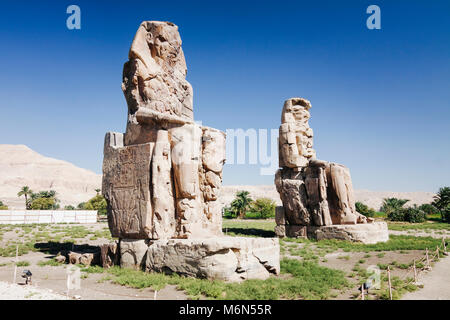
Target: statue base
[[366, 232], [223, 258]]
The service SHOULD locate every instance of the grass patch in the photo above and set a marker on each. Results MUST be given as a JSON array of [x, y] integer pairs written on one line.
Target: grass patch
[[306, 280], [424, 226], [22, 263], [51, 262], [395, 242]]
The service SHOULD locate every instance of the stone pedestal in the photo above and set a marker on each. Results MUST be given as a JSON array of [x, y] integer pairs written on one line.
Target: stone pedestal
[[366, 233], [223, 258]]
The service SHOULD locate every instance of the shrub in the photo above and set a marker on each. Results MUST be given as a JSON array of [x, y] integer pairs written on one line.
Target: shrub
[[265, 207], [397, 215], [412, 214], [96, 203], [229, 212], [364, 210], [42, 204], [415, 214], [429, 208], [69, 207], [446, 214], [3, 206]]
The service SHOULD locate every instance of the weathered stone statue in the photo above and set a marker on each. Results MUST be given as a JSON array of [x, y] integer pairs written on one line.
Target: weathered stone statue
[[317, 195], [162, 178]]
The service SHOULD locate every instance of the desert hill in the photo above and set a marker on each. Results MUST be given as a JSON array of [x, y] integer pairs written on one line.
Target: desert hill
[[20, 166]]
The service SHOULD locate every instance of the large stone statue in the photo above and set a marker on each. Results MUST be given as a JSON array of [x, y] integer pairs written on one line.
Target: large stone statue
[[317, 196], [162, 178]]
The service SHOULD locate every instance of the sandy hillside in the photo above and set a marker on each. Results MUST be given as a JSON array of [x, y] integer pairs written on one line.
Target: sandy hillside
[[21, 166], [373, 199]]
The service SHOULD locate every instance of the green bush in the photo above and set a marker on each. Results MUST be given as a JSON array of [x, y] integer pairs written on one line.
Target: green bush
[[415, 214], [96, 203], [69, 207], [412, 214], [42, 204], [446, 214], [396, 215], [429, 209], [265, 207], [364, 210], [3, 206]]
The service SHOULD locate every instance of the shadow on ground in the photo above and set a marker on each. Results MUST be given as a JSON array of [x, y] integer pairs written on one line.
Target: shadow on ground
[[54, 248], [249, 232]]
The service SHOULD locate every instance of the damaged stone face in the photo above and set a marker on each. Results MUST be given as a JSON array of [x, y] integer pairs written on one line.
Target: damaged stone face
[[314, 193], [162, 178]]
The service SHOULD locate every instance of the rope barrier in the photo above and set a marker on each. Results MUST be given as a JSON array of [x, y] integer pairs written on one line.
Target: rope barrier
[[416, 271]]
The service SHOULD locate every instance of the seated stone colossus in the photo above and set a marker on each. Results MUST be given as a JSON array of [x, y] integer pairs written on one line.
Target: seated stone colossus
[[317, 195], [162, 178]]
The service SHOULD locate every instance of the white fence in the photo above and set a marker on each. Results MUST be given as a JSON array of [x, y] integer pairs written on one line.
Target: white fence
[[47, 216]]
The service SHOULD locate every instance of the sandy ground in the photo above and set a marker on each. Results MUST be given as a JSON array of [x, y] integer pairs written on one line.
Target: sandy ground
[[55, 279], [10, 291], [436, 283]]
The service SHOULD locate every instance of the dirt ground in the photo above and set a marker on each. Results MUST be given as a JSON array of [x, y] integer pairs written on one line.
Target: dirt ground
[[93, 287]]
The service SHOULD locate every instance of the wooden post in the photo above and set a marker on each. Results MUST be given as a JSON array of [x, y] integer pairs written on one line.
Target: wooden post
[[154, 295], [15, 265], [415, 271], [389, 283], [362, 292], [427, 267], [437, 253]]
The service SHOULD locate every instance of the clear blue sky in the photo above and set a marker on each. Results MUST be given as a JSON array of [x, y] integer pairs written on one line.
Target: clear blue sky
[[380, 97]]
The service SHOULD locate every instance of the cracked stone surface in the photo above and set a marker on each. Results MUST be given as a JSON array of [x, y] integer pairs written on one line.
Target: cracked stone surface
[[314, 193]]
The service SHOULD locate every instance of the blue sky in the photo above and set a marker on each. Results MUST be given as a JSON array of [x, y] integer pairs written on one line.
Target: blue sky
[[380, 98]]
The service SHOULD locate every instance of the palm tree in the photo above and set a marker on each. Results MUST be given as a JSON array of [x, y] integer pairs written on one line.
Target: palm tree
[[241, 203], [442, 200], [392, 204], [25, 191]]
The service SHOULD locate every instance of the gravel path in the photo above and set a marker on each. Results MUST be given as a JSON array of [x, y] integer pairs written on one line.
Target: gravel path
[[9, 291], [436, 283]]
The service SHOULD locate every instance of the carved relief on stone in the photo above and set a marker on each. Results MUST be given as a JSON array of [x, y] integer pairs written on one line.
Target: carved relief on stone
[[163, 194], [126, 187]]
